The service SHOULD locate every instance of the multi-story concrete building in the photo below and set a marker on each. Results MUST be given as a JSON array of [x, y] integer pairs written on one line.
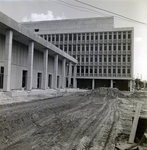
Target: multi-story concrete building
[[104, 53], [28, 61]]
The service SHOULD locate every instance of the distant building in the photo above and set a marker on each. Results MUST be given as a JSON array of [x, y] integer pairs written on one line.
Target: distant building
[[30, 62], [104, 53]]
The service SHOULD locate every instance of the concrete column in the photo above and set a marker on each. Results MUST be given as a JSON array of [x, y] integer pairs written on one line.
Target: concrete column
[[55, 70], [74, 77], [111, 83], [7, 60], [45, 66], [30, 65], [69, 74], [93, 82], [130, 85], [63, 73]]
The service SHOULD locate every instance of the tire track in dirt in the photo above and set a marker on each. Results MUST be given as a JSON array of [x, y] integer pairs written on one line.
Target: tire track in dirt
[[78, 133], [23, 133]]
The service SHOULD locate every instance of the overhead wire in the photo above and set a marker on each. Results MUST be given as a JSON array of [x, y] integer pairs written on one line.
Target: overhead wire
[[79, 8], [116, 14]]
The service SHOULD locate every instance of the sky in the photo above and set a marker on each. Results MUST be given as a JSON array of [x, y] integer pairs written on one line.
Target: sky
[[135, 10]]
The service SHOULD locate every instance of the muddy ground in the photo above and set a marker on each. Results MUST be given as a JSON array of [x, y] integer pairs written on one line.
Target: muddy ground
[[93, 120]]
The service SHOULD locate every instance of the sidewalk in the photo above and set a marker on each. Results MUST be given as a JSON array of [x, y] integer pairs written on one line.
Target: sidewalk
[[17, 96]]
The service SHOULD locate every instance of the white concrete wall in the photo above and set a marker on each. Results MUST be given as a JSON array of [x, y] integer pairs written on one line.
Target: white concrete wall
[[2, 45]]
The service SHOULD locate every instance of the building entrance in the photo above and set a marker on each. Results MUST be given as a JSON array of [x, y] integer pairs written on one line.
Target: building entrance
[[1, 77], [49, 80], [24, 78], [39, 76]]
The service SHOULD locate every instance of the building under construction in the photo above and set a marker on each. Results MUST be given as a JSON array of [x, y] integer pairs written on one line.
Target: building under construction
[[104, 53]]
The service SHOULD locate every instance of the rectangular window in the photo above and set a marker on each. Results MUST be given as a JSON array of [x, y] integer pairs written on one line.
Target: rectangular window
[[95, 58], [96, 47], [78, 47], [105, 36], [78, 69], [109, 70], [114, 46], [109, 57], [91, 36], [87, 37], [105, 47], [75, 37], [114, 70], [129, 46], [114, 58], [87, 59], [65, 48], [83, 36], [91, 59], [119, 35], [100, 48], [91, 47], [129, 58], [83, 47], [114, 35], [124, 58], [105, 58], [124, 70], [124, 35], [100, 70], [129, 35], [82, 59], [118, 70], [65, 37], [53, 38], [110, 36], [57, 38], [82, 69], [119, 58], [110, 47], [105, 70], [119, 46], [70, 37], [87, 47], [95, 70], [101, 36], [100, 58], [86, 69], [61, 37], [124, 46], [128, 71], [69, 48], [91, 70], [96, 36], [79, 37]]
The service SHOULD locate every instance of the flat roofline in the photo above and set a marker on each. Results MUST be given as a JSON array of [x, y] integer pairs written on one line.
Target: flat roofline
[[9, 23], [70, 19]]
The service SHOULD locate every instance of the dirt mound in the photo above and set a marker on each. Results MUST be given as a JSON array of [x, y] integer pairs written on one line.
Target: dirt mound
[[138, 94], [114, 92]]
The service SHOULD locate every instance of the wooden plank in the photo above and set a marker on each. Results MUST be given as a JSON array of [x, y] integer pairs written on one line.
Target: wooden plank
[[126, 146], [135, 123], [145, 134]]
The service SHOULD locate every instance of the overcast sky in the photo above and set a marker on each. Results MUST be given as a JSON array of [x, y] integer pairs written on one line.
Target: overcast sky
[[35, 10]]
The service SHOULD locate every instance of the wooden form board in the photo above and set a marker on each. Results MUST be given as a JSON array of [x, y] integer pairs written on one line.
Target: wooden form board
[[135, 123]]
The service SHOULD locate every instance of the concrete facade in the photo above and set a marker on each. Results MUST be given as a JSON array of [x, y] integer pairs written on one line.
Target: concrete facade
[[105, 54], [28, 61]]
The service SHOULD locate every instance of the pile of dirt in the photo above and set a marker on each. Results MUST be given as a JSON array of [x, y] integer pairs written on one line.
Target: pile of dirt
[[114, 92], [138, 94]]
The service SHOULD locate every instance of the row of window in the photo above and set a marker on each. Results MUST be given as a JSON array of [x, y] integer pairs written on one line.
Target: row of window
[[88, 36], [103, 58], [119, 70], [96, 47]]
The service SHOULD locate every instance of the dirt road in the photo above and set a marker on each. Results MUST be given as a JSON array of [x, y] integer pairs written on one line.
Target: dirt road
[[81, 121]]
